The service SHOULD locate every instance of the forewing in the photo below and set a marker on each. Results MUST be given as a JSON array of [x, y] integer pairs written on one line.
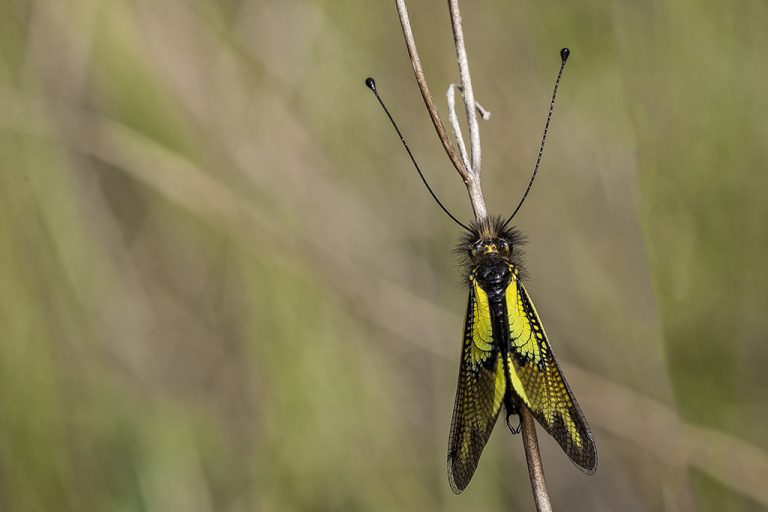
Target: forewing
[[538, 380], [479, 394]]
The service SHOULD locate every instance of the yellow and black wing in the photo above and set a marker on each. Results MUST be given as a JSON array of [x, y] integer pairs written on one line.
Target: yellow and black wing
[[537, 378], [479, 394]]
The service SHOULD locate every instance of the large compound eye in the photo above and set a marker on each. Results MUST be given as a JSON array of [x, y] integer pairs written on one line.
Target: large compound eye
[[476, 249]]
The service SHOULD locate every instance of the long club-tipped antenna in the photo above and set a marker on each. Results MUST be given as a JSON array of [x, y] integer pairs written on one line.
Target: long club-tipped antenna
[[371, 84], [564, 53]]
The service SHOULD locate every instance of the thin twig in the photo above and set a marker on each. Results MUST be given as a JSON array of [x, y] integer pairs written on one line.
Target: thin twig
[[410, 43], [473, 185], [454, 120], [466, 85], [450, 96], [533, 457], [484, 113], [471, 178]]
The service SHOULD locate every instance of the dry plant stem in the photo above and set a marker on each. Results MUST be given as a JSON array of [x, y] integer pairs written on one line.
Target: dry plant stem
[[533, 456], [450, 96], [473, 186], [454, 120], [476, 197], [410, 43], [484, 113], [466, 85], [471, 179]]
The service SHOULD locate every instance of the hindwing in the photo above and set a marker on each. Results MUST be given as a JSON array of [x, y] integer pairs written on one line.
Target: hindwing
[[538, 380], [480, 391]]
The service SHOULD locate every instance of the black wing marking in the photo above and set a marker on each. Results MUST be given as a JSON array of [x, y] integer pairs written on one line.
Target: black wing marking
[[537, 378], [479, 394]]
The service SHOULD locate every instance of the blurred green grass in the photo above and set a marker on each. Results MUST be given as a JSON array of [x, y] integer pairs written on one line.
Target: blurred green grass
[[223, 288]]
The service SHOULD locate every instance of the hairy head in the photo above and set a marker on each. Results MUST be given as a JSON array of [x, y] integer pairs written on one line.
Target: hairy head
[[487, 240]]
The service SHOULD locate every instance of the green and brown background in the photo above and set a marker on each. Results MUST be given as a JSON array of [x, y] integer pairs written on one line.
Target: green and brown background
[[223, 288]]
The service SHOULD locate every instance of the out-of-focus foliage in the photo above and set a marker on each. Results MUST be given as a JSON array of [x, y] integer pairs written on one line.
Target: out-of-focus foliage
[[222, 286]]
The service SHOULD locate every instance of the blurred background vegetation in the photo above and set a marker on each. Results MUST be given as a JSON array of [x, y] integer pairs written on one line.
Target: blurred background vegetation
[[222, 287]]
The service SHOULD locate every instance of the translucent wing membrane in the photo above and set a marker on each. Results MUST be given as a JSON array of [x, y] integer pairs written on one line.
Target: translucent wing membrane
[[479, 394], [538, 380]]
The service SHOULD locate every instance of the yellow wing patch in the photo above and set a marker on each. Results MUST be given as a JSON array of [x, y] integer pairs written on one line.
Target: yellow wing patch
[[480, 392], [482, 334], [538, 380]]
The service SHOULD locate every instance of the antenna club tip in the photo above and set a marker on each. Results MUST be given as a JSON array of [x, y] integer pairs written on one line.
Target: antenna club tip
[[564, 54], [370, 83]]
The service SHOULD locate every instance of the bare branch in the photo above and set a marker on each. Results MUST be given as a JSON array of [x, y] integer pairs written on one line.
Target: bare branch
[[471, 178], [466, 85], [533, 456], [410, 43], [454, 120], [484, 113]]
